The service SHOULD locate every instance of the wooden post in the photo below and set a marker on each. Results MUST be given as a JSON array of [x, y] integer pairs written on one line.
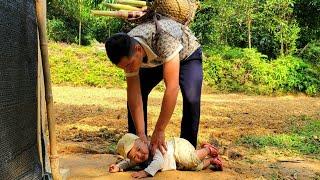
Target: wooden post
[[39, 120], [41, 20]]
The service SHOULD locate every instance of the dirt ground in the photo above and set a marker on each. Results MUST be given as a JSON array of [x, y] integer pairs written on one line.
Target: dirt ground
[[91, 120]]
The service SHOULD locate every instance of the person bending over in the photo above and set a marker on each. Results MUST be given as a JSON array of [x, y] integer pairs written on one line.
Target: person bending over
[[152, 51]]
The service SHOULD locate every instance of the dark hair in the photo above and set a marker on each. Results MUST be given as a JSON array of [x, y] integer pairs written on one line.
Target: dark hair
[[119, 45]]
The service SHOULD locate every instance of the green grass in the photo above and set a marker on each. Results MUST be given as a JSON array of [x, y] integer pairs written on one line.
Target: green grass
[[232, 70], [83, 65], [302, 137]]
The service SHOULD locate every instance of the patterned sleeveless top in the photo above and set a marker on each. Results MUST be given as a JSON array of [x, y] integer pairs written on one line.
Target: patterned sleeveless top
[[160, 48]]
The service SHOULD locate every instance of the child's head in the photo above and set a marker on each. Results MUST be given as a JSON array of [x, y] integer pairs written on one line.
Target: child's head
[[132, 147]]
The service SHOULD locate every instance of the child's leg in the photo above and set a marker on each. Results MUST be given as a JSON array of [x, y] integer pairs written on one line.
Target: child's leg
[[213, 150], [216, 162], [202, 153], [206, 163]]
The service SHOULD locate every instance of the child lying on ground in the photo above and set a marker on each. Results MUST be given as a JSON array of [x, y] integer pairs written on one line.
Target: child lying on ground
[[180, 155]]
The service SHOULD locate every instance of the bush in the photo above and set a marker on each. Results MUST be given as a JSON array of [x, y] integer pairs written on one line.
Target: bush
[[246, 70], [226, 69], [103, 28], [312, 53], [233, 69], [59, 31], [293, 74]]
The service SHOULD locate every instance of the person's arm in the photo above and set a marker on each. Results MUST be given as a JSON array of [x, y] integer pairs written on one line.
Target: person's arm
[[121, 166], [171, 80], [135, 105]]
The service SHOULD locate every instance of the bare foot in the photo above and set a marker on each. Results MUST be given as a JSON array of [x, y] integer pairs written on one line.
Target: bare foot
[[213, 150], [217, 164]]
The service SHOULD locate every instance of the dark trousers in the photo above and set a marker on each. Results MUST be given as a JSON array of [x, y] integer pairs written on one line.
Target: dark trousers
[[190, 81]]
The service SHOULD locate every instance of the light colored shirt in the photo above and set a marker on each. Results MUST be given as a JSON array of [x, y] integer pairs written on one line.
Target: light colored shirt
[[175, 38], [164, 162]]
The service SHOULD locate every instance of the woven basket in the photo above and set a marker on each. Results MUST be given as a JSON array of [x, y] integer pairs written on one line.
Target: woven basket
[[182, 11]]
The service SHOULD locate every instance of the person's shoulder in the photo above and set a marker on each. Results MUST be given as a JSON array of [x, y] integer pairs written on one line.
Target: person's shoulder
[[144, 24], [141, 29], [170, 21]]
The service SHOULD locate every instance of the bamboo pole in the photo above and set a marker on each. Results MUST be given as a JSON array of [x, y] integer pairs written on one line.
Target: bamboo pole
[[122, 6], [120, 14], [39, 124], [41, 18], [132, 3]]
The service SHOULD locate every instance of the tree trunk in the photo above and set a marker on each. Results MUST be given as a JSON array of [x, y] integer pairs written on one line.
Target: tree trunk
[[80, 23], [249, 31], [281, 50], [80, 32]]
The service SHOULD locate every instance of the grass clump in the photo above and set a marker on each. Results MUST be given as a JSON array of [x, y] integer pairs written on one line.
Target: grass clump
[[83, 66], [303, 137]]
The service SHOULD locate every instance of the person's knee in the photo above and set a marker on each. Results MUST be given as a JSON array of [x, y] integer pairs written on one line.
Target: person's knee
[[192, 91], [192, 96]]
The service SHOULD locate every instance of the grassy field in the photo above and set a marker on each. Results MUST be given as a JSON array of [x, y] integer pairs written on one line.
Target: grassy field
[[83, 66], [258, 136], [302, 136]]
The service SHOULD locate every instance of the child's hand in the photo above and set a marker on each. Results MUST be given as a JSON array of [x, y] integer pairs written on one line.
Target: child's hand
[[140, 174], [114, 168]]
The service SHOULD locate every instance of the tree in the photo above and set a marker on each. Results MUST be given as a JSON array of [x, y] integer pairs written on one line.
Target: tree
[[277, 20], [307, 13], [71, 21], [246, 13]]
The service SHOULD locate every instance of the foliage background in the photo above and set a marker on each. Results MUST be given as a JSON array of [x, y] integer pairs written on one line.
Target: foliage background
[[252, 46]]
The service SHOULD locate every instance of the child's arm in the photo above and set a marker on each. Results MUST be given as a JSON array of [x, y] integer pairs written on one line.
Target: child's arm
[[156, 164], [121, 166], [114, 168]]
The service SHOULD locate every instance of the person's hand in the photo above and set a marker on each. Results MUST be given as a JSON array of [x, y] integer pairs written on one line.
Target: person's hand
[[114, 168], [158, 142], [140, 174], [143, 137]]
